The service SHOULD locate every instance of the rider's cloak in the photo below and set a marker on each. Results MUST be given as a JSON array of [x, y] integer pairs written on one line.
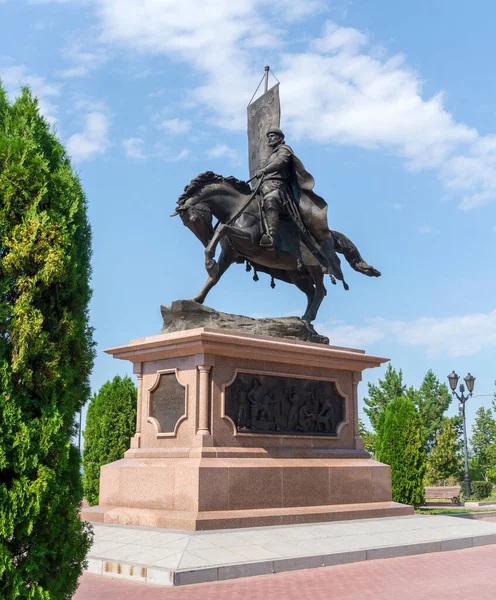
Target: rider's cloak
[[311, 206]]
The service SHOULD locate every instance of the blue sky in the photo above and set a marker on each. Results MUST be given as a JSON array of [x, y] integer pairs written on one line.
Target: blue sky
[[390, 105]]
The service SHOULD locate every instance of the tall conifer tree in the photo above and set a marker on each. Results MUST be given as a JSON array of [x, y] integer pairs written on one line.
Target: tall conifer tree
[[46, 354], [400, 444], [432, 400], [445, 460], [381, 395], [483, 442]]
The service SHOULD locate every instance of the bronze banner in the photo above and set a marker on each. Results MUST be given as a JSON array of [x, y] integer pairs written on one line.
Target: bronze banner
[[264, 113]]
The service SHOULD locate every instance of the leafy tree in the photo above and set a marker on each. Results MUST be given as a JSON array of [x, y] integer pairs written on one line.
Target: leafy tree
[[46, 355], [381, 395], [445, 461], [110, 423], [368, 437], [400, 444], [433, 400], [483, 442]]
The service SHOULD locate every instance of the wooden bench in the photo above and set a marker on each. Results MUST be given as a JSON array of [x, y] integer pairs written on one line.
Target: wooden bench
[[443, 493]]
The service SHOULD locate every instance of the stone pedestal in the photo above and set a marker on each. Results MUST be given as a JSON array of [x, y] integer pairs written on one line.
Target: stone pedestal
[[237, 430]]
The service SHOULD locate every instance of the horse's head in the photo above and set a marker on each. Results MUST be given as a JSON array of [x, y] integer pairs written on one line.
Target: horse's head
[[198, 218], [194, 212], [200, 196]]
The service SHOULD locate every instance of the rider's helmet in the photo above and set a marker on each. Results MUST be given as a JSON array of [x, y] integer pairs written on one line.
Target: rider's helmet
[[276, 130]]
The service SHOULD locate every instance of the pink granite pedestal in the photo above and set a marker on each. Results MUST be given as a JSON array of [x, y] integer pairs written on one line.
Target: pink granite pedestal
[[191, 466]]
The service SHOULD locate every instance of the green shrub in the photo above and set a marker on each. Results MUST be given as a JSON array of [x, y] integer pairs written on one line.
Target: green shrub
[[110, 423], [46, 355], [400, 444], [480, 490]]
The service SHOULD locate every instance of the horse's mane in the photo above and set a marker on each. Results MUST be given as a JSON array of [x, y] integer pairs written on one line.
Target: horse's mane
[[210, 177]]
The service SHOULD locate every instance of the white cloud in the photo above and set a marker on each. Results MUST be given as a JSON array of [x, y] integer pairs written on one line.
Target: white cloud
[[183, 154], [340, 89], [92, 141], [14, 77], [82, 102], [425, 229], [170, 155], [459, 335], [222, 151], [174, 126], [85, 55], [134, 148], [351, 336], [159, 93], [294, 10]]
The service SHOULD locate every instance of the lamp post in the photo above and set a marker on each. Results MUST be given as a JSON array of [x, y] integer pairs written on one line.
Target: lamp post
[[469, 381]]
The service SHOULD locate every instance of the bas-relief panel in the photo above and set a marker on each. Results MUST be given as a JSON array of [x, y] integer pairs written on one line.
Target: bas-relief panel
[[287, 405], [168, 402]]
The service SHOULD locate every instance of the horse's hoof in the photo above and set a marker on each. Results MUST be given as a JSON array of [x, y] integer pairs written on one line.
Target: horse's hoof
[[198, 299]]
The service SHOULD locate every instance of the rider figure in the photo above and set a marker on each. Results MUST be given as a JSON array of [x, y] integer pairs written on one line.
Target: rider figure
[[287, 190], [276, 185]]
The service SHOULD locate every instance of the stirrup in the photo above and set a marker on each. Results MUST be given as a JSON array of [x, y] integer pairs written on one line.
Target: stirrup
[[267, 241]]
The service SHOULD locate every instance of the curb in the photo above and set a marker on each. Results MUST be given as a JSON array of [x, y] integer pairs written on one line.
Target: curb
[[162, 576]]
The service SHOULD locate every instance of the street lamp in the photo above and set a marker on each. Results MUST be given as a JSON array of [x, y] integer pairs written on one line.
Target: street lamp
[[469, 382]]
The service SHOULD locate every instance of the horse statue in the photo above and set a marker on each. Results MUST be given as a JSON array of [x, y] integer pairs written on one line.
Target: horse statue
[[238, 231]]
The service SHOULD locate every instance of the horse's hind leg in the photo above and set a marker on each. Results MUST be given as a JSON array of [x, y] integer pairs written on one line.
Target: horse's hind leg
[[226, 259], [319, 294], [306, 286], [347, 248]]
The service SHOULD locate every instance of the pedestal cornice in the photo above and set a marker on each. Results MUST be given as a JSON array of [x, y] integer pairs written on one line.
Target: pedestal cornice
[[218, 342]]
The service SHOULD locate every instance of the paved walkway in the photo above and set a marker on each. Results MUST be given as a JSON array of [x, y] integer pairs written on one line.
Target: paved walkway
[[456, 575], [161, 556]]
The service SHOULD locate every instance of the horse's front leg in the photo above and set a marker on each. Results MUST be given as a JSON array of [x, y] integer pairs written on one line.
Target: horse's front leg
[[226, 259], [222, 231]]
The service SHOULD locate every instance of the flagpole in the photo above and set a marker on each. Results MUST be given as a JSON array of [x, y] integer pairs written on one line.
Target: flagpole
[[267, 69]]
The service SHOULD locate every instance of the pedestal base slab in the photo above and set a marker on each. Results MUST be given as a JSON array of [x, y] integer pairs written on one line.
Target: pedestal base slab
[[210, 520], [215, 493]]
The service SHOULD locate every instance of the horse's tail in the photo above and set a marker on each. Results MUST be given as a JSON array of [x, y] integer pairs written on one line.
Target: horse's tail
[[347, 248]]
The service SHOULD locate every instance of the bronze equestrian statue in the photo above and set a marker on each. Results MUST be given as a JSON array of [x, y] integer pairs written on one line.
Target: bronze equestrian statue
[[280, 228]]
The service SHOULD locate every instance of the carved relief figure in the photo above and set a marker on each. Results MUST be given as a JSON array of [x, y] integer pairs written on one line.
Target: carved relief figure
[[293, 411], [325, 417], [306, 418], [266, 405], [243, 406], [253, 397]]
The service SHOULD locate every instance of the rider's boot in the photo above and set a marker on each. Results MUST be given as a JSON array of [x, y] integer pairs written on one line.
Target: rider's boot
[[268, 239]]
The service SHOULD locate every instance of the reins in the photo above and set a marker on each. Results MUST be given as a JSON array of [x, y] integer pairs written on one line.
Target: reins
[[245, 205]]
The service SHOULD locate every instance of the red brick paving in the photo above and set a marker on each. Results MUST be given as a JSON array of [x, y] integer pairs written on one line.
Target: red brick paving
[[455, 575]]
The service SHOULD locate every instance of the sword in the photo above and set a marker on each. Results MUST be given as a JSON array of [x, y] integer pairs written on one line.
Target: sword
[[308, 238]]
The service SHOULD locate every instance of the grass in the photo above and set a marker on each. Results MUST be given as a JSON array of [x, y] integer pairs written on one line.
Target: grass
[[447, 511]]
